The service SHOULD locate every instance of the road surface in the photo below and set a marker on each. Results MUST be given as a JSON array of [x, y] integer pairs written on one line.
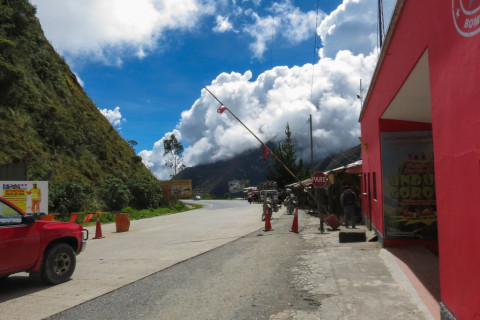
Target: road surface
[[119, 259]]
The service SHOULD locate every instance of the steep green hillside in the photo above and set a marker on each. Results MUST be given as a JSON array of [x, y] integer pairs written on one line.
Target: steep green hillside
[[46, 119]]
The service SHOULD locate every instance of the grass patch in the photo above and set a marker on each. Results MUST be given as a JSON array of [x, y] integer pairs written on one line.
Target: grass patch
[[134, 214]]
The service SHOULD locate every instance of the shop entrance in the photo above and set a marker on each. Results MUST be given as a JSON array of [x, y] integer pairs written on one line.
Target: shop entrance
[[409, 205]]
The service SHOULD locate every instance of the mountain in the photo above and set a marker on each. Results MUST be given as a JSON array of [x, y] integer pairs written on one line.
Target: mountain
[[213, 178], [48, 123], [340, 159]]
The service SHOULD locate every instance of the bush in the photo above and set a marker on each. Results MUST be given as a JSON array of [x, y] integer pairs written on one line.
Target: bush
[[70, 197], [115, 194], [146, 194]]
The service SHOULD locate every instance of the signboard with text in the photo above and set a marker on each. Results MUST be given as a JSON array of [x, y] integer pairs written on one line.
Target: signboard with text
[[408, 179], [30, 196], [319, 179], [177, 188]]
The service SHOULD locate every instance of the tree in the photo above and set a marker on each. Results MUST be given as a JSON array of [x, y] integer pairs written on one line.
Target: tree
[[286, 153], [115, 193], [147, 193], [132, 144], [174, 150]]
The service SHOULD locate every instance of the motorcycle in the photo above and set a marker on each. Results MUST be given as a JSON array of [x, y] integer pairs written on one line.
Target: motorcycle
[[291, 204], [267, 208]]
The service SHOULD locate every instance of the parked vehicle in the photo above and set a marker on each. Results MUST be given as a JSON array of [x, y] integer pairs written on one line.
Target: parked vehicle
[[47, 248], [290, 203], [267, 208], [270, 202]]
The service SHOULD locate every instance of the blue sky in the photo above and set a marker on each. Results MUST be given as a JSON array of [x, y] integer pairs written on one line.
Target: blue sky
[[145, 62]]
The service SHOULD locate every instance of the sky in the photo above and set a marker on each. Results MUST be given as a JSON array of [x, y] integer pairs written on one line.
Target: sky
[[145, 64]]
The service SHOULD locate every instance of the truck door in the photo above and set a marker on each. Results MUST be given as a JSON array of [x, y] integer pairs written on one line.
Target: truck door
[[19, 243]]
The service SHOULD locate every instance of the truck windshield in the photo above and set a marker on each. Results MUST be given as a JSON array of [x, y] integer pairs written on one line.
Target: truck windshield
[[8, 211]]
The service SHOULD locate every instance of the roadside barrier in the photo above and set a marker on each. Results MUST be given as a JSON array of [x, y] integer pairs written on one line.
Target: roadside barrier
[[88, 217], [295, 222], [98, 229], [73, 218], [268, 226]]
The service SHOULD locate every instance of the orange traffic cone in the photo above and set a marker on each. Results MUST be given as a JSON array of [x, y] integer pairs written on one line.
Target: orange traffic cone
[[98, 229], [268, 226], [295, 222]]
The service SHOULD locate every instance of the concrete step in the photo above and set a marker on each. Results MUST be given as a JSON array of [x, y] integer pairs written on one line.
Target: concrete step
[[352, 235]]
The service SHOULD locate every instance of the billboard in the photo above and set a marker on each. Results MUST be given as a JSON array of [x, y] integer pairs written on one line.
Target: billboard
[[236, 186], [408, 180], [30, 196], [177, 188]]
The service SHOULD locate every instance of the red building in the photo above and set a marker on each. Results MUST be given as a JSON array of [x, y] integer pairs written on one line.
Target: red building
[[421, 135]]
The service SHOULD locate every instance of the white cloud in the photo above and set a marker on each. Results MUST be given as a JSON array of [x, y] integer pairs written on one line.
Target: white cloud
[[286, 21], [112, 30], [352, 26], [288, 95], [113, 116], [277, 97], [223, 25], [107, 29]]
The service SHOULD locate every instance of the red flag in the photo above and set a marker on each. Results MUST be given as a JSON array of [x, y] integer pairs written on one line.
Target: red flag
[[265, 154], [221, 109]]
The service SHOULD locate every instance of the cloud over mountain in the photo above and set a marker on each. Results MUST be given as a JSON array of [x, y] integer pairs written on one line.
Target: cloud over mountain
[[328, 91], [114, 31]]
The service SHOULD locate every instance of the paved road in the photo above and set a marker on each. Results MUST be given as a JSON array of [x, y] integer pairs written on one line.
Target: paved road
[[249, 275], [119, 259], [249, 278]]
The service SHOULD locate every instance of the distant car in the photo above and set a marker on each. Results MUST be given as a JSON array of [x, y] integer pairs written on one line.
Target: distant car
[[196, 198], [273, 194], [47, 248]]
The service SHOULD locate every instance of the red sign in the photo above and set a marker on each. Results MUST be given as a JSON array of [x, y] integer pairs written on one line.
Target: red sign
[[319, 179]]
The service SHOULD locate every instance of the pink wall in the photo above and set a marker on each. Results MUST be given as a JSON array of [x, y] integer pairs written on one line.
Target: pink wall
[[454, 62]]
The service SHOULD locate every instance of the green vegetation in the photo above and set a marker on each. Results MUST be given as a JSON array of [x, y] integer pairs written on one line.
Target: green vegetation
[[49, 123], [134, 214], [286, 152]]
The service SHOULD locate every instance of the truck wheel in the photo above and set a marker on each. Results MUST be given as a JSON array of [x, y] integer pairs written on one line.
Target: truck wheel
[[58, 264], [3, 279]]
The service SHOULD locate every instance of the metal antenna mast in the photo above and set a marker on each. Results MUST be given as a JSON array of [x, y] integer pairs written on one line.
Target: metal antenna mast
[[381, 26]]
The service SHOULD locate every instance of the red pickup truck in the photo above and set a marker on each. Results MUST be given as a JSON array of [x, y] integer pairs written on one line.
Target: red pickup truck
[[40, 247]]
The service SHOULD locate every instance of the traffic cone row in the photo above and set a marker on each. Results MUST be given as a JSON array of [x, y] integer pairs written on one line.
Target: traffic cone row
[[98, 229], [295, 222]]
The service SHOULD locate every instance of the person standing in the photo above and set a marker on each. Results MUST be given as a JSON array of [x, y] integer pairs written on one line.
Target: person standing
[[348, 199], [36, 197]]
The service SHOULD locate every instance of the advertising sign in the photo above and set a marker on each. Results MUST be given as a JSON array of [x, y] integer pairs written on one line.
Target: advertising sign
[[408, 178], [466, 16], [177, 188], [236, 186], [30, 196]]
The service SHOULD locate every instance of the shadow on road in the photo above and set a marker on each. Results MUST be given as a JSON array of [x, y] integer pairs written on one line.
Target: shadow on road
[[20, 285]]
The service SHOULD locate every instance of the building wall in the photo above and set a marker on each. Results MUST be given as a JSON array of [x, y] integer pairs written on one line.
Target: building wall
[[454, 62]]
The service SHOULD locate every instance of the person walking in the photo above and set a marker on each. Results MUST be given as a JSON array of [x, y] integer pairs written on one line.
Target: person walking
[[348, 199]]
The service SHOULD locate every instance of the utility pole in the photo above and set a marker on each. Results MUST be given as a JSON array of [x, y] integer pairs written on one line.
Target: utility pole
[[360, 95], [311, 146], [380, 23]]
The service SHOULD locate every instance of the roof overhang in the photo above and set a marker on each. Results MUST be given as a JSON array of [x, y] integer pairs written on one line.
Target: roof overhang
[[412, 102]]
